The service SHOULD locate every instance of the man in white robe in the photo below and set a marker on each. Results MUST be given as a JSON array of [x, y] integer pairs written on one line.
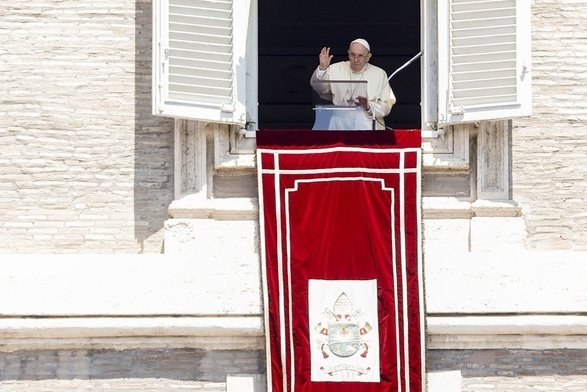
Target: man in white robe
[[379, 97]]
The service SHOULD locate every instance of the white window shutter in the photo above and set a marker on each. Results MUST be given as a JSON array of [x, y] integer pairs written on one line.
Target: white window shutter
[[484, 60], [199, 70]]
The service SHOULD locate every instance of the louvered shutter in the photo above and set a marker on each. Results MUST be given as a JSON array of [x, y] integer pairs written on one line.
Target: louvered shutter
[[199, 68], [484, 60]]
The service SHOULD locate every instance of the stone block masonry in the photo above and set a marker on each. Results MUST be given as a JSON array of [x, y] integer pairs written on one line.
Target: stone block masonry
[[176, 364], [550, 147], [168, 370], [510, 362], [514, 370], [84, 167]]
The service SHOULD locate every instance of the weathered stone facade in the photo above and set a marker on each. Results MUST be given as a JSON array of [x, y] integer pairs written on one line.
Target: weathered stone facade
[[86, 169], [550, 148]]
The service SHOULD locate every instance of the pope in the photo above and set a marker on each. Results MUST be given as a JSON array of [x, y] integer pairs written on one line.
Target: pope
[[379, 98]]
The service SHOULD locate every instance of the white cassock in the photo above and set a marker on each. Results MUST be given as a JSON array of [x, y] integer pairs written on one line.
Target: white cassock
[[339, 94]]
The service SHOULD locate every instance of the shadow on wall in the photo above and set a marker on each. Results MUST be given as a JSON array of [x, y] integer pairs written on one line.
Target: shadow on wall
[[153, 170], [175, 364]]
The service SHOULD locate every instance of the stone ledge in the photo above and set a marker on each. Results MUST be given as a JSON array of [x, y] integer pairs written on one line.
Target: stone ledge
[[196, 207], [243, 162], [506, 332], [214, 333], [100, 327], [247, 333], [496, 208], [453, 208], [502, 325], [132, 343]]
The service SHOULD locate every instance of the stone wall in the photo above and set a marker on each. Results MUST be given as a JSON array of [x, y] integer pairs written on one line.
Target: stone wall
[[212, 367], [84, 167], [550, 148], [510, 363], [169, 363]]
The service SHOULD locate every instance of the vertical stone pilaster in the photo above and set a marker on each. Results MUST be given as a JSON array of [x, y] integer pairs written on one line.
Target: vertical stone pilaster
[[493, 160], [190, 159]]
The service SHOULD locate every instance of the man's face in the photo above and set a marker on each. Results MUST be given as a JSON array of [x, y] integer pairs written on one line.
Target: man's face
[[358, 56]]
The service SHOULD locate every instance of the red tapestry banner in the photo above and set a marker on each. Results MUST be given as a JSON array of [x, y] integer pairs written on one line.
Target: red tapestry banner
[[342, 266]]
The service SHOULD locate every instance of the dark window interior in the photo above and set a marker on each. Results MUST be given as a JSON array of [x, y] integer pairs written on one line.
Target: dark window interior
[[292, 33]]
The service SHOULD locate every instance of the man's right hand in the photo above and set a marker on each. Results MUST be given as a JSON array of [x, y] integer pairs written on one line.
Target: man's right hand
[[325, 58]]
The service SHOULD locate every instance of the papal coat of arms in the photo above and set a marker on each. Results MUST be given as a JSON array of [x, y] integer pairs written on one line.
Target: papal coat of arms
[[344, 330], [343, 335]]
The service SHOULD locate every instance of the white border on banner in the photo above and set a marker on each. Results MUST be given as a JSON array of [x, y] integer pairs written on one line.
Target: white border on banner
[[402, 171]]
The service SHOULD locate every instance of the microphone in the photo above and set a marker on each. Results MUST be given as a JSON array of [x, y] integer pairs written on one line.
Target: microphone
[[410, 61]]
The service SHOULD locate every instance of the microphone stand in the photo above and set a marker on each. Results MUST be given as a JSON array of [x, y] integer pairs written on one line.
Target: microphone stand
[[410, 61]]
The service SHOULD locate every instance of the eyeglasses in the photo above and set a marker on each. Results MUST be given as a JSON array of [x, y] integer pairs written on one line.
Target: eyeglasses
[[357, 56]]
